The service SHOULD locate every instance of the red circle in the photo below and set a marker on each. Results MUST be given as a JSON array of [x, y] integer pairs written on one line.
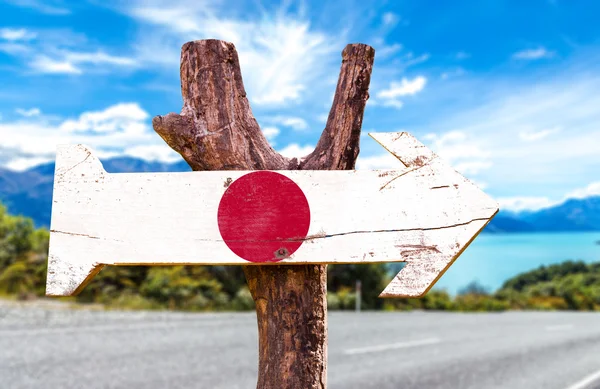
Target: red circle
[[263, 216]]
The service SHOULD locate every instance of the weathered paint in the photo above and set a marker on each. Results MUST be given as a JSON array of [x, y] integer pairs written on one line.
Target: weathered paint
[[424, 213], [263, 216]]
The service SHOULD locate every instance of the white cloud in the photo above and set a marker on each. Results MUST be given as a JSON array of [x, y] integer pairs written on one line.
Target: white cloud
[[292, 122], [155, 152], [390, 18], [403, 88], [472, 167], [48, 7], [392, 103], [98, 58], [283, 61], [592, 189], [387, 50], [464, 154], [53, 51], [390, 97], [29, 112], [14, 48], [532, 54], [323, 117], [175, 17], [524, 203], [294, 150], [453, 73], [376, 162], [409, 60], [270, 133], [459, 150], [537, 135], [462, 55], [30, 141], [480, 184], [125, 117], [44, 64], [24, 163], [14, 34], [280, 55], [68, 62]]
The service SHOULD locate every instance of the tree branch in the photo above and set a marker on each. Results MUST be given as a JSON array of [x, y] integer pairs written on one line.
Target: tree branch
[[338, 146], [217, 131]]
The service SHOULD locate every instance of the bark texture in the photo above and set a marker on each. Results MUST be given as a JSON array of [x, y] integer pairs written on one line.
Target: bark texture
[[217, 131]]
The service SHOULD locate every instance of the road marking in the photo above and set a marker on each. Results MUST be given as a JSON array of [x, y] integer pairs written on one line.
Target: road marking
[[392, 346], [586, 381], [562, 327]]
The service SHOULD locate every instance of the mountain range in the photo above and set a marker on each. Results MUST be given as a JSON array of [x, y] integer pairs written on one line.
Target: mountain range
[[570, 216], [29, 193]]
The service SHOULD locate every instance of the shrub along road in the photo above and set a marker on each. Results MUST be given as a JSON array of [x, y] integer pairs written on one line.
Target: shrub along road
[[51, 347]]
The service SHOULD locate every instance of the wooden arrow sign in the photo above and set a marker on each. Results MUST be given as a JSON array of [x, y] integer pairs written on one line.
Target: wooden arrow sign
[[423, 213]]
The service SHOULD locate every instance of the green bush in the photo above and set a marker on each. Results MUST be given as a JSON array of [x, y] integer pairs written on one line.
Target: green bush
[[333, 301], [133, 302], [243, 300]]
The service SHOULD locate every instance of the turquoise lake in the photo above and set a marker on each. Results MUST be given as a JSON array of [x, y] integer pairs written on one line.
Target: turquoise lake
[[491, 258]]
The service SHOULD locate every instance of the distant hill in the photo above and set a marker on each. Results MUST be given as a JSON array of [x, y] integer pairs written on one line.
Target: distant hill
[[504, 222], [29, 193], [574, 215]]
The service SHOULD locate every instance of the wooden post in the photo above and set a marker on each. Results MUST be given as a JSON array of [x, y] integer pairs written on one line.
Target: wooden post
[[217, 131]]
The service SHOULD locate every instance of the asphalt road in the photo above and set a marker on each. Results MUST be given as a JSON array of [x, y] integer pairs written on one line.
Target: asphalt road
[[57, 348]]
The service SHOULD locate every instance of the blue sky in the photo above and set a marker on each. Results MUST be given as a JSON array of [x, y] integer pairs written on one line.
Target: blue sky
[[507, 91]]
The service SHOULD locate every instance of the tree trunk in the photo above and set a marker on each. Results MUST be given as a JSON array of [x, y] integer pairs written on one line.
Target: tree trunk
[[217, 131]]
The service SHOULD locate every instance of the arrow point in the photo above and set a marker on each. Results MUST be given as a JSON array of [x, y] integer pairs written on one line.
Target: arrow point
[[66, 278], [405, 147], [420, 274], [416, 278], [76, 160], [69, 271]]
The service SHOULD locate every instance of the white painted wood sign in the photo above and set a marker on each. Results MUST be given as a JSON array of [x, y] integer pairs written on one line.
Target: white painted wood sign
[[423, 213]]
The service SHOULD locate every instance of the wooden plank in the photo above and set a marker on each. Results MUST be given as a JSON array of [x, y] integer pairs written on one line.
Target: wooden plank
[[424, 213]]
